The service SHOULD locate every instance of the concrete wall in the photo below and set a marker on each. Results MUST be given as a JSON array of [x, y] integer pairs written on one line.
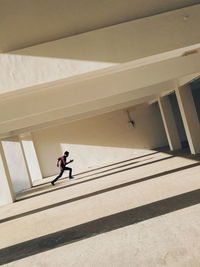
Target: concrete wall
[[99, 49], [16, 164], [100, 140]]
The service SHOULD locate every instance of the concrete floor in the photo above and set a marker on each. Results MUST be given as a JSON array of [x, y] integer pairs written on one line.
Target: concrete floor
[[142, 212]]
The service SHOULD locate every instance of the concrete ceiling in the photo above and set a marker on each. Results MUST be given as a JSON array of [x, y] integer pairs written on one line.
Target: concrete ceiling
[[173, 61], [28, 22]]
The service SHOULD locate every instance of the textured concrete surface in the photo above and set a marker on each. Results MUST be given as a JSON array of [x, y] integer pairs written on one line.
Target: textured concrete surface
[[143, 211]]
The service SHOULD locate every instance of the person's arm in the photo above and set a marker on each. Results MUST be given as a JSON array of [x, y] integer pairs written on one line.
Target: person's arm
[[69, 161], [58, 162]]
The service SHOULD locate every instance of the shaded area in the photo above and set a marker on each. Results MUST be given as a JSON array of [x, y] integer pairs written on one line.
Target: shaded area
[[183, 152], [92, 179], [53, 25], [97, 193], [98, 226]]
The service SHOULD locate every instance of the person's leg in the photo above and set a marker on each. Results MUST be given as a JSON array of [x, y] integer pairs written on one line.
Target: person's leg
[[70, 171], [56, 179]]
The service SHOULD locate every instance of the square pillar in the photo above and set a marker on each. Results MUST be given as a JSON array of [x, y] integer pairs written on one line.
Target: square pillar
[[169, 123], [189, 117], [7, 194], [16, 164], [30, 156]]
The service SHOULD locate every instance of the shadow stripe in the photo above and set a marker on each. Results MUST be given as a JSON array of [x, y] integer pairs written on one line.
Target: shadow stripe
[[42, 188], [98, 192], [99, 226], [103, 167], [92, 179], [116, 163]]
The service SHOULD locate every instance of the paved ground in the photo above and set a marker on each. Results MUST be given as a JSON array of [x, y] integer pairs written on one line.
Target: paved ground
[[142, 212]]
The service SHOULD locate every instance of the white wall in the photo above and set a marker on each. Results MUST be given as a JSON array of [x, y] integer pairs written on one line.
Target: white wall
[[16, 164], [100, 140]]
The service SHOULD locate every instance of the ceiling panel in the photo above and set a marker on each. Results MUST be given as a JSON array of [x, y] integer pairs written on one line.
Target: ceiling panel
[[28, 22]]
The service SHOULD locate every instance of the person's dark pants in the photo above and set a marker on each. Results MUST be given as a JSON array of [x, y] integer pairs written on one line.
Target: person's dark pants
[[61, 173]]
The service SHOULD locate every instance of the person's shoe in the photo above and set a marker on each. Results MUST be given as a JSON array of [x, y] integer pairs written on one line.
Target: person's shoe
[[71, 177], [52, 183]]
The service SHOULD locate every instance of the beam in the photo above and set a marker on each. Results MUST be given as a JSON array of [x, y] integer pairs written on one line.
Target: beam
[[100, 49], [67, 99]]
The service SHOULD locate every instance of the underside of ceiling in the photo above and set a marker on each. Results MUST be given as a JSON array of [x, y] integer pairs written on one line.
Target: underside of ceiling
[[29, 22], [157, 54]]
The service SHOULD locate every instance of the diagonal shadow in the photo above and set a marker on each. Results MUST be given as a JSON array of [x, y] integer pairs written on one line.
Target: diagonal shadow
[[111, 169], [184, 152], [119, 162], [115, 187], [44, 187], [92, 179], [105, 166], [38, 189], [98, 226]]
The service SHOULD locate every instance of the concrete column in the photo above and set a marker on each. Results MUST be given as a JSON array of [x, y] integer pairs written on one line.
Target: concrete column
[[7, 194], [30, 156], [16, 164], [189, 117], [169, 123]]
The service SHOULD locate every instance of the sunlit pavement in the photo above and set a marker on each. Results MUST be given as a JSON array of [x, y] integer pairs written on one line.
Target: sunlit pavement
[[143, 211]]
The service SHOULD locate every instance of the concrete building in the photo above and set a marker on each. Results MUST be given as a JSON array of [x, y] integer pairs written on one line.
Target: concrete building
[[97, 78]]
